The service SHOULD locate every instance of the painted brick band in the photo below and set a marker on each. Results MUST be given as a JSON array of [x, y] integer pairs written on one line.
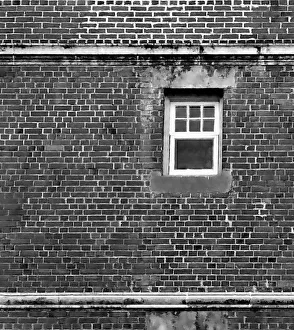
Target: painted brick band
[[142, 301], [139, 50]]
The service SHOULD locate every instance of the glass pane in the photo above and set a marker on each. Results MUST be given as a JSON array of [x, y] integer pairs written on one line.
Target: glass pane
[[181, 111], [208, 125], [194, 126], [195, 111], [193, 154], [181, 126], [208, 112]]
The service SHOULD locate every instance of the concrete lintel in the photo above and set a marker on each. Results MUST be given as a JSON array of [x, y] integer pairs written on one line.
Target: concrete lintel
[[119, 300], [140, 50]]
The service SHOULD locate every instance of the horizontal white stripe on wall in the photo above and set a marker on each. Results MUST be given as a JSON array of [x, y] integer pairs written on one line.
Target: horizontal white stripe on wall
[[121, 50], [220, 300]]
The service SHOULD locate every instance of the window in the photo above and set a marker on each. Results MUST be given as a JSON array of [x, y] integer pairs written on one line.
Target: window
[[192, 136]]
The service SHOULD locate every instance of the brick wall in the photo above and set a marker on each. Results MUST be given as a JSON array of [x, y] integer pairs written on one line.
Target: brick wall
[[78, 146], [146, 22], [81, 139], [67, 319], [71, 319]]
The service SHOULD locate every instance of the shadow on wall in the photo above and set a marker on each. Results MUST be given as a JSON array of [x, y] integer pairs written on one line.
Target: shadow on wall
[[187, 321]]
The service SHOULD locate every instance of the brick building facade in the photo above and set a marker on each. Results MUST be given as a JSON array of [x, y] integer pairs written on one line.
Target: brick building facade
[[106, 222]]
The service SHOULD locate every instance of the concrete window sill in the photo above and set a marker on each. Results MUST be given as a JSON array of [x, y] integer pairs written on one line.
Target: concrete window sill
[[189, 184]]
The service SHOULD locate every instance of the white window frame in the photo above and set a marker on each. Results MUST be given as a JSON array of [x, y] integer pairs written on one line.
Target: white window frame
[[170, 136]]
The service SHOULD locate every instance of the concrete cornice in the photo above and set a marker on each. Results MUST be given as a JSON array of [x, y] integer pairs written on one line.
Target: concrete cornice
[[237, 50], [171, 301]]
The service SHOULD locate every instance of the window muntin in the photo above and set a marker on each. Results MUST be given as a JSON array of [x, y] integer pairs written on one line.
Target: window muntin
[[194, 136]]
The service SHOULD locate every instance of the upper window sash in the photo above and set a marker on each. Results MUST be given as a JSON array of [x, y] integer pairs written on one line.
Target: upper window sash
[[191, 117]]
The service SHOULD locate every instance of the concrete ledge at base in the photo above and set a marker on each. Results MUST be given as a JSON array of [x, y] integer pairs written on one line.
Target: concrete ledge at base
[[189, 184], [170, 301]]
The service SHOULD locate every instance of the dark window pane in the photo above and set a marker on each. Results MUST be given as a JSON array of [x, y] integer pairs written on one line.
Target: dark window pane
[[193, 154], [195, 111], [194, 126], [208, 125], [181, 111], [208, 112], [181, 126]]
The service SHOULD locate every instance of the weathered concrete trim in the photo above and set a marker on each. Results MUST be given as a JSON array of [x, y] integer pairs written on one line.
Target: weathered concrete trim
[[225, 301], [207, 307], [188, 184], [139, 50]]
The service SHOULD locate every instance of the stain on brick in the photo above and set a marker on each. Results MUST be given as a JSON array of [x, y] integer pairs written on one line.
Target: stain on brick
[[188, 321], [160, 322], [194, 77]]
